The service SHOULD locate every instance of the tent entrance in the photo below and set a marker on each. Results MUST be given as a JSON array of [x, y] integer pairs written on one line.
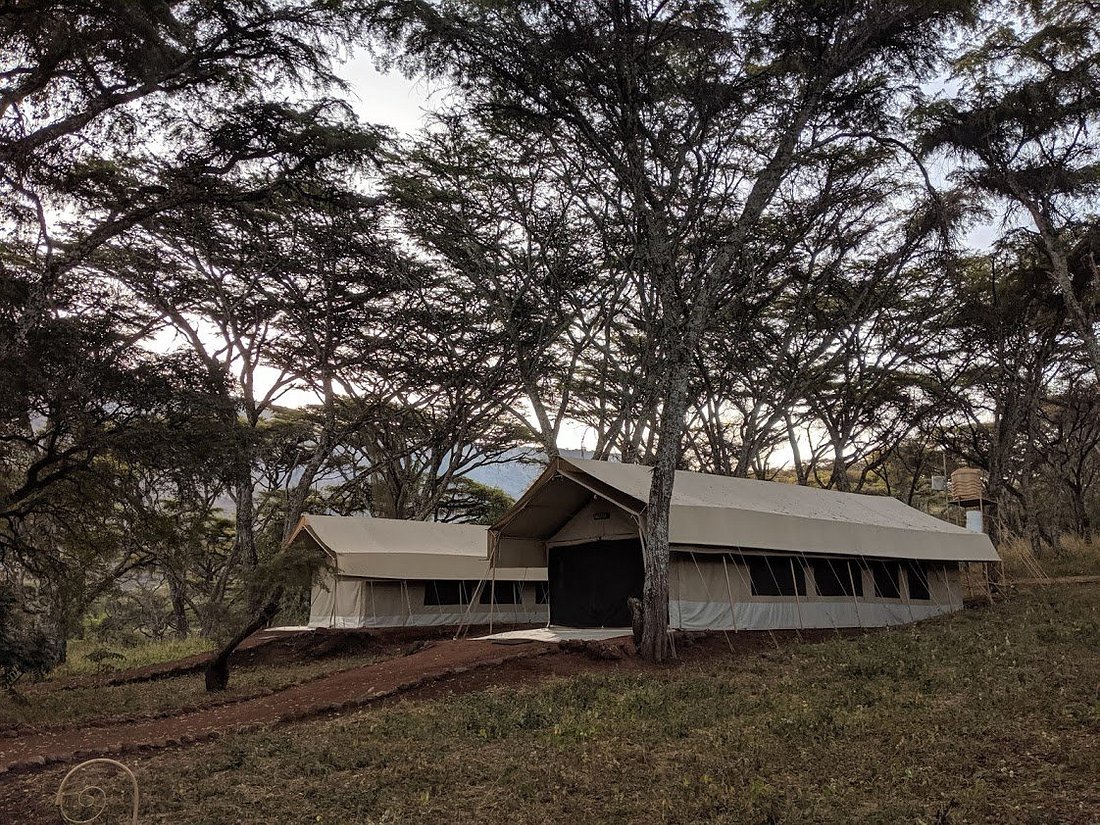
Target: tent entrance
[[590, 583]]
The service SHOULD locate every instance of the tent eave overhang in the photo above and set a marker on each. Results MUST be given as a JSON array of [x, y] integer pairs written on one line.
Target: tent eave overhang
[[463, 559], [718, 514]]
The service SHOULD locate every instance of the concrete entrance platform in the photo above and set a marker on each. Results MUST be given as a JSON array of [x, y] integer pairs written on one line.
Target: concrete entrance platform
[[557, 634], [290, 628]]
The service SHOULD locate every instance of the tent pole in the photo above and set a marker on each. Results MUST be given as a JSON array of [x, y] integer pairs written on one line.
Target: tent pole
[[729, 593], [797, 602], [932, 598], [947, 585], [817, 592], [852, 580], [408, 601], [464, 625], [794, 584], [492, 595], [710, 598], [335, 593], [335, 588], [748, 587], [908, 601], [438, 607]]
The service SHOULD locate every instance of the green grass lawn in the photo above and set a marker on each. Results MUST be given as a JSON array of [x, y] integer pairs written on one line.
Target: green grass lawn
[[992, 715], [81, 659], [47, 703]]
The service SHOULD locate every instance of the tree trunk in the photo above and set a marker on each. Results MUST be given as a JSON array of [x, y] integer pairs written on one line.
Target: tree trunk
[[245, 528], [796, 454], [1082, 522], [217, 672], [655, 641], [1063, 278], [179, 608], [839, 477]]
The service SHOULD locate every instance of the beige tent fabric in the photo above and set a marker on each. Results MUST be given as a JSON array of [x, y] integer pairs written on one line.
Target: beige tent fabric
[[322, 600], [364, 603], [596, 520], [336, 601], [709, 591], [397, 549], [378, 569], [724, 512]]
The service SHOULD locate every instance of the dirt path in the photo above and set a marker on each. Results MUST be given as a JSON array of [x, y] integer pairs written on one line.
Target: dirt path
[[269, 647], [340, 691], [455, 669]]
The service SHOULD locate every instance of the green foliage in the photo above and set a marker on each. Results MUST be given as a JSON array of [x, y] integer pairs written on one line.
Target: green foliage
[[82, 659], [24, 650], [628, 216], [476, 503]]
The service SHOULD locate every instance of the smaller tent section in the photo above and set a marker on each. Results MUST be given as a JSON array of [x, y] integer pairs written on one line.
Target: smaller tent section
[[744, 554], [394, 573]]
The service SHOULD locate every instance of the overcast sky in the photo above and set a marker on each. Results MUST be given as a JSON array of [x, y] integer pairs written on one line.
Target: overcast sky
[[388, 99]]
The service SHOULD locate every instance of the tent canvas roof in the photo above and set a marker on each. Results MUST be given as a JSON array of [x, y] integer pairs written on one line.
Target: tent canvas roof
[[402, 549], [720, 511]]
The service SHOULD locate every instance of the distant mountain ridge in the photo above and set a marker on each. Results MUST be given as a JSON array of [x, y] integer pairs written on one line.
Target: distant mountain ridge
[[517, 474], [513, 476]]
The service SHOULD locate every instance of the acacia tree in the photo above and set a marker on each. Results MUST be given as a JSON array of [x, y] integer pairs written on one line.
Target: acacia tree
[[1025, 129], [76, 537], [499, 215], [439, 407], [112, 115], [85, 93], [271, 295], [1007, 346], [1069, 441], [412, 460], [697, 114]]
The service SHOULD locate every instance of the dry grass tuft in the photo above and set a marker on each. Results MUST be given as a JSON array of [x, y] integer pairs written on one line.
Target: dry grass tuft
[[985, 716], [1074, 556]]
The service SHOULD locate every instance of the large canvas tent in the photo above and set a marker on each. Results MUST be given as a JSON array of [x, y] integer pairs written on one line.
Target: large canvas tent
[[744, 554], [394, 573]]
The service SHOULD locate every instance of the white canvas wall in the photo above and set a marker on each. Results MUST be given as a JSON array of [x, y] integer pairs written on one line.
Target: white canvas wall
[[336, 602], [589, 524], [356, 603], [709, 591]]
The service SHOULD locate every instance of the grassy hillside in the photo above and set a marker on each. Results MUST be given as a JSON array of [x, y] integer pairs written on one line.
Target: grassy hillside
[[989, 716]]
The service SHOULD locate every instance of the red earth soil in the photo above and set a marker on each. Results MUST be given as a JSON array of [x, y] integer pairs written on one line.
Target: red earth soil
[[444, 668], [342, 690], [276, 647]]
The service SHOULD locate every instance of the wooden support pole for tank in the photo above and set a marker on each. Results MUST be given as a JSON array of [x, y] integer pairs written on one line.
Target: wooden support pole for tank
[[992, 571]]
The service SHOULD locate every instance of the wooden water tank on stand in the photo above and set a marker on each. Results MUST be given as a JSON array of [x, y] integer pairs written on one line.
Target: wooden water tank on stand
[[968, 488]]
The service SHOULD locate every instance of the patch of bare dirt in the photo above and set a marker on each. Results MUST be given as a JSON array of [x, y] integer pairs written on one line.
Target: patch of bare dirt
[[441, 668], [339, 691], [282, 647]]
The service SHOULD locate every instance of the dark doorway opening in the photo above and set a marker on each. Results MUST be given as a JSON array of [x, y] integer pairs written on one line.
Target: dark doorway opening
[[590, 583]]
